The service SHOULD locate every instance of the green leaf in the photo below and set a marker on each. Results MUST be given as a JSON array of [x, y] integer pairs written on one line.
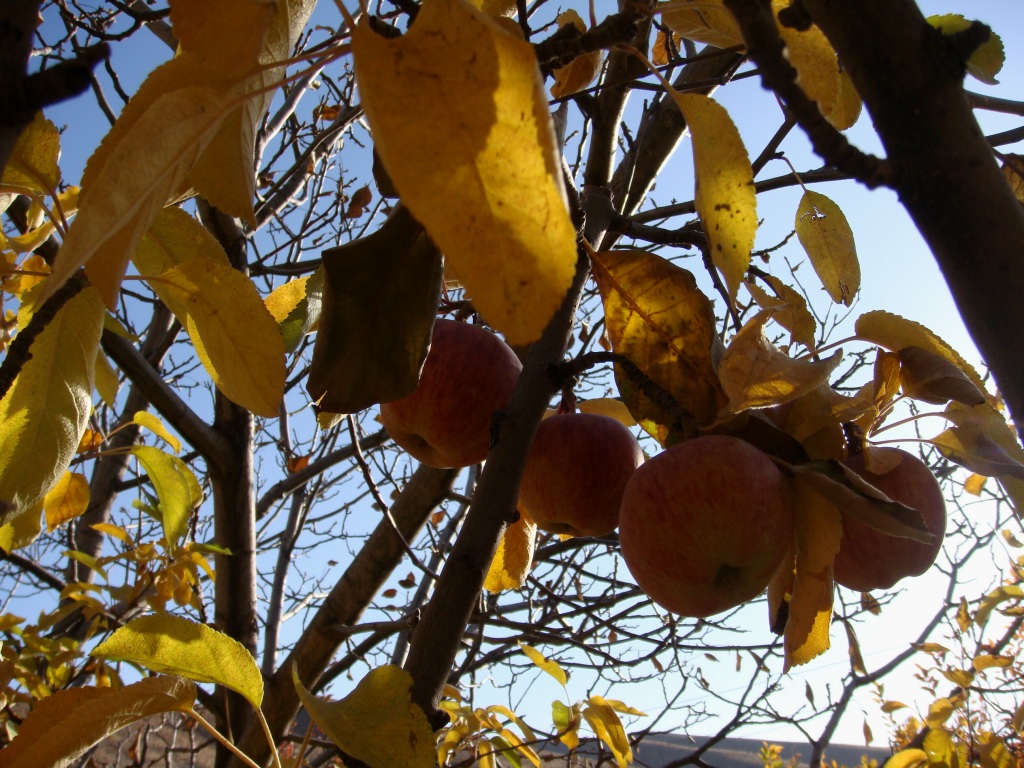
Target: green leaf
[[551, 667], [376, 723], [176, 487], [380, 298], [45, 412], [567, 723], [61, 727], [171, 644]]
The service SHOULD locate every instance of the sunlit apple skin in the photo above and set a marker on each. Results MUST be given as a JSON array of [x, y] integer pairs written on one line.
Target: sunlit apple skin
[[869, 559], [576, 471], [705, 524], [468, 375]]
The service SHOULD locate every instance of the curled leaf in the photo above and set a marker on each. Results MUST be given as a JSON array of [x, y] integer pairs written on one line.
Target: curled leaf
[[932, 378]]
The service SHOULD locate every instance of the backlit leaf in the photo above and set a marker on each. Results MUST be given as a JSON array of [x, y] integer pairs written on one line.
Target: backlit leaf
[[994, 599], [789, 309], [375, 723], [33, 161], [176, 488], [939, 712], [512, 562], [703, 21], [140, 165], [175, 237], [551, 667], [985, 661], [154, 425], [200, 26], [606, 724], [981, 441], [907, 758], [658, 318], [993, 752], [610, 407], [296, 306], [178, 646], [581, 71], [725, 196], [1013, 170], [380, 298], [819, 530], [460, 120], [755, 373], [894, 333], [235, 336], [889, 707], [567, 723], [45, 412], [67, 499], [987, 59], [61, 727], [107, 382], [944, 749], [827, 238]]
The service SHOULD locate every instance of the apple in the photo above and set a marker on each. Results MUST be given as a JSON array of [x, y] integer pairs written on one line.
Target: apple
[[468, 375], [576, 471], [705, 524], [869, 559]]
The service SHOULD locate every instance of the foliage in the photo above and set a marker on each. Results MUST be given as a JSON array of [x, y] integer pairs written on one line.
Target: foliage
[[198, 336]]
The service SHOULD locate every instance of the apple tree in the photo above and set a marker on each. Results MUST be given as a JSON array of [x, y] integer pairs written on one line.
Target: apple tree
[[276, 357]]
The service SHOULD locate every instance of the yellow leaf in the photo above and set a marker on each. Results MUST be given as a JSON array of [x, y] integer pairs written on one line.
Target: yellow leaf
[[894, 333], [932, 378], [817, 66], [827, 238], [551, 667], [974, 484], [939, 712], [981, 441], [621, 706], [512, 561], [61, 727], [235, 336], [1018, 719], [819, 529], [107, 381], [1013, 170], [175, 238], [224, 172], [113, 530], [995, 598], [45, 413], [963, 615], [725, 198], [985, 661], [789, 309], [892, 706], [987, 59], [993, 752], [296, 306], [610, 407], [22, 530], [67, 499], [608, 727], [907, 758], [177, 646], [176, 488], [755, 373], [703, 21], [21, 284], [200, 28], [479, 170], [154, 425], [376, 723], [140, 165], [944, 749], [582, 70], [33, 161], [567, 723], [658, 318]]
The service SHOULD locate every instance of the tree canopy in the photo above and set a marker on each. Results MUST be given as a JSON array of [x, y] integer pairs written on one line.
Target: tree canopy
[[276, 364]]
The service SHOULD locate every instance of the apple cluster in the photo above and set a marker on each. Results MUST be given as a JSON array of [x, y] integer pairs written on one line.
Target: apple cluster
[[703, 526]]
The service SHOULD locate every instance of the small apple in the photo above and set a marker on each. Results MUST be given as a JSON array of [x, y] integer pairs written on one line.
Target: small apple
[[705, 524], [576, 471], [469, 374], [869, 559]]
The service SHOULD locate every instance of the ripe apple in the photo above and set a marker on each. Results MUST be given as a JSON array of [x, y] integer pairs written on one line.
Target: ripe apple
[[705, 524], [469, 374], [869, 559], [576, 471]]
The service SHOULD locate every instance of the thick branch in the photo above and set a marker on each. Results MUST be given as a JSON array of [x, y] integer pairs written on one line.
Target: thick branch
[[945, 172], [436, 640]]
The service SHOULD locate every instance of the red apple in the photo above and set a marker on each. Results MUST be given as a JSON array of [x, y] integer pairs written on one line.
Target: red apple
[[705, 524], [469, 374], [869, 559], [576, 471]]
